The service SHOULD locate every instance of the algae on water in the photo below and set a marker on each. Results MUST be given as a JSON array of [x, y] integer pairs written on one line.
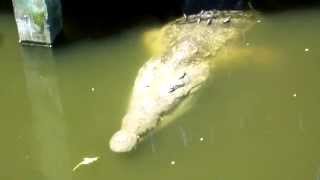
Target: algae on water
[[39, 19]]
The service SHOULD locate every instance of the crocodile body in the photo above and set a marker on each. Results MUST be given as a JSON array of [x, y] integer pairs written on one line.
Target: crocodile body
[[163, 82]]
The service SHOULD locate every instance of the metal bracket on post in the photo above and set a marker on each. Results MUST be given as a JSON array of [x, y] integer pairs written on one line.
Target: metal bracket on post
[[38, 21]]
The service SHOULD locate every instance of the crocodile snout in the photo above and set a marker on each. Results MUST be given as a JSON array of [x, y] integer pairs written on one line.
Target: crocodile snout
[[123, 141]]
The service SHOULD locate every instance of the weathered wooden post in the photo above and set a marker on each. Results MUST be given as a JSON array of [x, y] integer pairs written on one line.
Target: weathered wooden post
[[38, 21]]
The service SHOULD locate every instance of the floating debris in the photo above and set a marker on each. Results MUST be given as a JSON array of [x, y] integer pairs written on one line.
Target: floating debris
[[259, 21], [172, 162], [85, 161], [201, 139], [294, 95], [92, 89], [247, 44], [306, 49]]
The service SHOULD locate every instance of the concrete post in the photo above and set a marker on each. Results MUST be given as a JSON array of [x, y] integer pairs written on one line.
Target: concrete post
[[38, 21]]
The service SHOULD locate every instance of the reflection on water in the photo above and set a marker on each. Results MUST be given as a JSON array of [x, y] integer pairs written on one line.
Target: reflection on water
[[1, 40], [258, 117], [48, 123]]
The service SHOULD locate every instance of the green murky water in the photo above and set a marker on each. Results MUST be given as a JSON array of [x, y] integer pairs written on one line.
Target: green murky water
[[258, 118]]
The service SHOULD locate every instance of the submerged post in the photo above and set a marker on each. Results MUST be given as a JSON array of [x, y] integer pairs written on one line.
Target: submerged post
[[38, 21]]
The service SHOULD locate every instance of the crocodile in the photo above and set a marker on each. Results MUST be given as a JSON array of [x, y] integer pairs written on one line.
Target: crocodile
[[191, 44]]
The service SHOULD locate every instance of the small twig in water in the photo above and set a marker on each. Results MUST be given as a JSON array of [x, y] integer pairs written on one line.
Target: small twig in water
[[85, 161]]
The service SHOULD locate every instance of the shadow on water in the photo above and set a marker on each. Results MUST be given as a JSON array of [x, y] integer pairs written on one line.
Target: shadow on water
[[281, 5], [85, 20], [98, 19], [101, 19], [6, 6], [49, 128], [76, 31]]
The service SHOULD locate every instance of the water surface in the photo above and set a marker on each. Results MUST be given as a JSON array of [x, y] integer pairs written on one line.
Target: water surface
[[258, 117]]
